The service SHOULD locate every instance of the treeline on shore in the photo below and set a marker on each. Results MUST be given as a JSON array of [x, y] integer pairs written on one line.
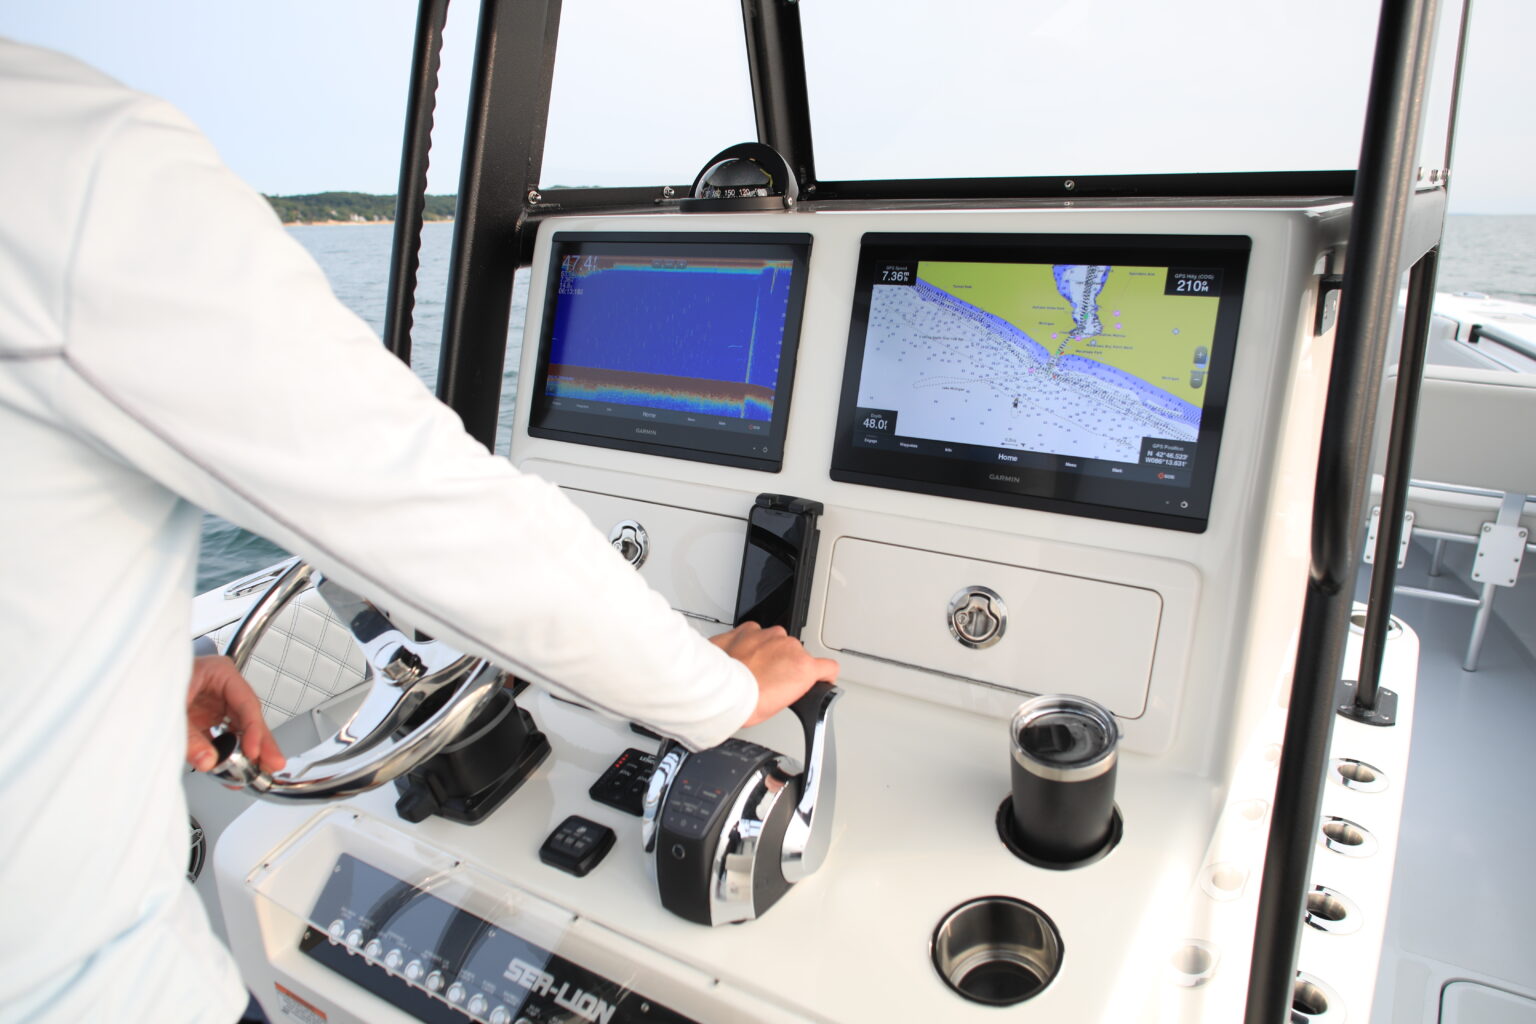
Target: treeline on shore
[[351, 207]]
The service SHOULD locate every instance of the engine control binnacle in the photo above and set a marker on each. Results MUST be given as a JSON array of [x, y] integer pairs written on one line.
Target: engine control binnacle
[[728, 830]]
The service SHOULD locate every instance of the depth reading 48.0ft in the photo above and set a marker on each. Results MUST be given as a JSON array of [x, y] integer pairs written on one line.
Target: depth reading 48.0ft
[[881, 421]]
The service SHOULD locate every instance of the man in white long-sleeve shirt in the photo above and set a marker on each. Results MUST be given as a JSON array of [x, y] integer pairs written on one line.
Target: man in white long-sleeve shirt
[[165, 346]]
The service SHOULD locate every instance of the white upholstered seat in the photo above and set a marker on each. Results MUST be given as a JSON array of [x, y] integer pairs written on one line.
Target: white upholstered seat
[[305, 658]]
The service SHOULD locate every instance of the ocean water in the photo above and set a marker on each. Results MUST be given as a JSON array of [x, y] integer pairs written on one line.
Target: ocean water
[[1489, 253], [1485, 253]]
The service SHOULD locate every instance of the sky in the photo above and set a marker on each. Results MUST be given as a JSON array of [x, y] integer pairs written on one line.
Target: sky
[[308, 95]]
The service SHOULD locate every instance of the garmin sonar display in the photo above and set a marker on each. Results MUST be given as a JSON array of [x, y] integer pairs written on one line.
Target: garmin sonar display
[[673, 344], [1080, 374]]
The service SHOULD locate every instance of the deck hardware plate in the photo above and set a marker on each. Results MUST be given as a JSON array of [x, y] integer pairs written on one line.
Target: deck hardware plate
[[1402, 544], [1384, 714], [1501, 545]]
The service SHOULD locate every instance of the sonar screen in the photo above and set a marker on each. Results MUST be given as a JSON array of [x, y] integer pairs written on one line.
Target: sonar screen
[[680, 345]]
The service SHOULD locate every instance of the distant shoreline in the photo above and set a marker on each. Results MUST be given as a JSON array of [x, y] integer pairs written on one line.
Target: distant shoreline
[[354, 208]]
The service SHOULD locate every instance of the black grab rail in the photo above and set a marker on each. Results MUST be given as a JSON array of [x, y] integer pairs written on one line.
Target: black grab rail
[[1508, 340]]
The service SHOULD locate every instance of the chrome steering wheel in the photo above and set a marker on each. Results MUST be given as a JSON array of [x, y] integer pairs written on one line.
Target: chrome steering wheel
[[382, 740]]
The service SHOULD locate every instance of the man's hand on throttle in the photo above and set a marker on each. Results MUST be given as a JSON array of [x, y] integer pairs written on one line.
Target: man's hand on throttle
[[218, 693], [783, 667]]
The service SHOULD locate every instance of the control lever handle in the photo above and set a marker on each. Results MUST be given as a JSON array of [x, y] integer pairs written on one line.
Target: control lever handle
[[806, 844], [668, 760], [730, 829]]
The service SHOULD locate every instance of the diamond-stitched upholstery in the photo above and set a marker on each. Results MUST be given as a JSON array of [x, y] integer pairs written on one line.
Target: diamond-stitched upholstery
[[305, 658]]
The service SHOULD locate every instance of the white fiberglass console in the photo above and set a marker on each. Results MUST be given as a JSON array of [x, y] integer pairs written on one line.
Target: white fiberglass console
[[1055, 452]]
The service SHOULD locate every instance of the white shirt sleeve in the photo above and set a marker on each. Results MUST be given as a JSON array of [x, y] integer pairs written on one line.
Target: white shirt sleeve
[[205, 347]]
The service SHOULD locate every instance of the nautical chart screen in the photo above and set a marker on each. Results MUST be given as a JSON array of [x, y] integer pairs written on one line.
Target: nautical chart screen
[[1071, 373], [672, 344]]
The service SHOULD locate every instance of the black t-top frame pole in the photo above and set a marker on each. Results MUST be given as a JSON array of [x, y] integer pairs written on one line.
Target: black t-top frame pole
[[503, 158], [411, 192], [776, 62], [1367, 701], [1384, 186]]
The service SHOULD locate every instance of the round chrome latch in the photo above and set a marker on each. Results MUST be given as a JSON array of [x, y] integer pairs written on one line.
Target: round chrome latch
[[977, 617], [631, 540]]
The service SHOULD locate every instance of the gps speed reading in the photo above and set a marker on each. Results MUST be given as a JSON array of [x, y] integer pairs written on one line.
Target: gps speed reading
[[1075, 373]]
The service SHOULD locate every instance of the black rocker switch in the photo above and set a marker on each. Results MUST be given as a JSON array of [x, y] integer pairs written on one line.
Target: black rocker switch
[[577, 845], [623, 784]]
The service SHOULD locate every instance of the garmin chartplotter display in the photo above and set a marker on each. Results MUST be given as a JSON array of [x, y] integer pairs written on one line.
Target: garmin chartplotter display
[[1071, 373], [672, 344]]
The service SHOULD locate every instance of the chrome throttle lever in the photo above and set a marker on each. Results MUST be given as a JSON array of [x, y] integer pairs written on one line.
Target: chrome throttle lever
[[668, 760], [728, 830], [809, 833]]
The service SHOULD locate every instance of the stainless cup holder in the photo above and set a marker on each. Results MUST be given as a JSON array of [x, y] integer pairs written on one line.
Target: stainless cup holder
[[1358, 776], [1344, 836], [1313, 1002], [997, 950]]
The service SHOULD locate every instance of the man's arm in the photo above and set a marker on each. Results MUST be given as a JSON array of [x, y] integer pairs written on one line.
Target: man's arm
[[206, 348]]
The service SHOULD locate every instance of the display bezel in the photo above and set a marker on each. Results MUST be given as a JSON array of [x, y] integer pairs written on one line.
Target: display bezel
[[674, 440], [1048, 486]]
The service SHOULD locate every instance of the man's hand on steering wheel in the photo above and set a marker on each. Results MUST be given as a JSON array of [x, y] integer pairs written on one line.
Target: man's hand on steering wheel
[[217, 694]]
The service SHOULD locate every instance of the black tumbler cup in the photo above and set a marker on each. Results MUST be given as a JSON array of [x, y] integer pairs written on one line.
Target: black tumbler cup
[[1063, 803]]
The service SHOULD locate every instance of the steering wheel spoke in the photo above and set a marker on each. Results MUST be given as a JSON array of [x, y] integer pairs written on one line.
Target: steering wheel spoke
[[421, 695]]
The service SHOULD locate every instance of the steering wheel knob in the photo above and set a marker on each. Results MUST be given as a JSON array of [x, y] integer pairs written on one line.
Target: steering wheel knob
[[232, 767]]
